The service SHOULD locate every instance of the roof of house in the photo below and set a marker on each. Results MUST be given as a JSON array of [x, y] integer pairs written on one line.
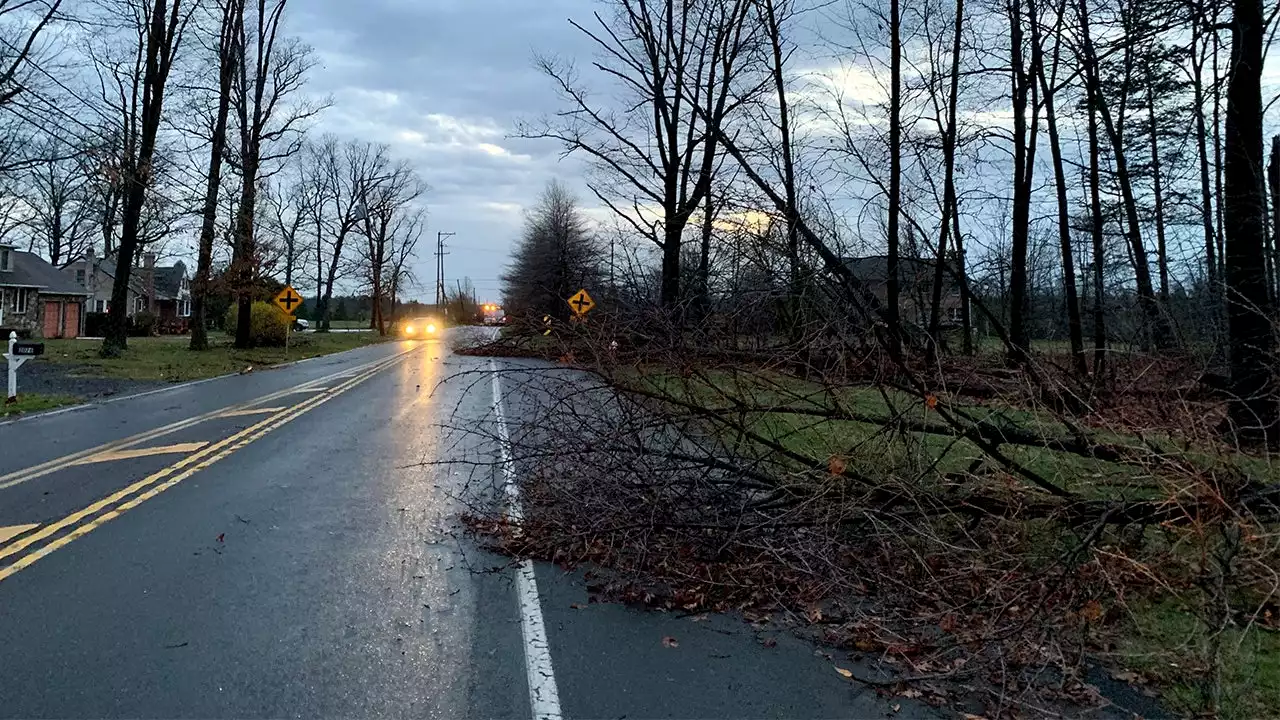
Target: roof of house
[[32, 271], [912, 272], [106, 266], [169, 281]]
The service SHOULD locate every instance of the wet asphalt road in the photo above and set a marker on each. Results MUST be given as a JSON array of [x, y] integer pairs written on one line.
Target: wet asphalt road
[[286, 544]]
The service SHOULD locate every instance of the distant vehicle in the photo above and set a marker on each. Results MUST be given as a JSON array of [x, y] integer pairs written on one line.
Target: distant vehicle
[[422, 327], [493, 314], [299, 324]]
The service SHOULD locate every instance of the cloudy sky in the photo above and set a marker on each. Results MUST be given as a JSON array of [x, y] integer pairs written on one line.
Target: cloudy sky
[[443, 82]]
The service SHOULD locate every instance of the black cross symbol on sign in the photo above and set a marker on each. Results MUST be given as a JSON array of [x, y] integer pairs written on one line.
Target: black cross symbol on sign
[[580, 302], [289, 300]]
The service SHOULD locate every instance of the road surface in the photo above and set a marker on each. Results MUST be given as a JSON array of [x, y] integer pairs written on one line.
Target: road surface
[[285, 544]]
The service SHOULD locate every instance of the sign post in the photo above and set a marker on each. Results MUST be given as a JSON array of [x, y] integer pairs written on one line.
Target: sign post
[[289, 301], [18, 354]]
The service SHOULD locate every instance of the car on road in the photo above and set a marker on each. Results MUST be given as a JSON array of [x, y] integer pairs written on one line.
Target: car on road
[[301, 325], [492, 314], [421, 327]]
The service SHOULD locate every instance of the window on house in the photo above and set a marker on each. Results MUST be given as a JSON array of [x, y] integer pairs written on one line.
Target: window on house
[[100, 306], [139, 304], [184, 308], [80, 277], [957, 314], [20, 304], [6, 259]]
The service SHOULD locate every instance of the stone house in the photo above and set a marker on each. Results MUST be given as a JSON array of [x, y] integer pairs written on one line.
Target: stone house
[[37, 299]]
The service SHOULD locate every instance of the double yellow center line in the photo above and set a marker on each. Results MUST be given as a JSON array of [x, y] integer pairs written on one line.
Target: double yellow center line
[[18, 554], [18, 477]]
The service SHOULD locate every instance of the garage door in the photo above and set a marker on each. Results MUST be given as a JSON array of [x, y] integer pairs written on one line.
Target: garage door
[[52, 319], [71, 324]]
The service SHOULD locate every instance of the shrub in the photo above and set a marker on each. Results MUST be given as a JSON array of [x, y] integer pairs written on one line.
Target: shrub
[[95, 324], [142, 324], [267, 324]]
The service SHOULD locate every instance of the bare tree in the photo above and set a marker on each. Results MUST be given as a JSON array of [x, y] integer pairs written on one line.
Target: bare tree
[[112, 136], [950, 202], [1254, 411], [347, 173], [402, 250], [290, 201], [1023, 92], [894, 272], [22, 22], [386, 207], [269, 117], [165, 24], [667, 56], [774, 15], [1199, 51], [1048, 80], [228, 57], [1158, 331], [1273, 185], [61, 214]]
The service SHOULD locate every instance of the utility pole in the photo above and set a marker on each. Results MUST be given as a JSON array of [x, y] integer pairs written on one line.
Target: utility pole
[[440, 253]]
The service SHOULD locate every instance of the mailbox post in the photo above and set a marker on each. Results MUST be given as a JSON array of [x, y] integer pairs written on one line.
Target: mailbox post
[[18, 354]]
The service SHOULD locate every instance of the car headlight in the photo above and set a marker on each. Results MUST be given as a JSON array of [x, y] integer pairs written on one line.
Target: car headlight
[[408, 330], [431, 328]]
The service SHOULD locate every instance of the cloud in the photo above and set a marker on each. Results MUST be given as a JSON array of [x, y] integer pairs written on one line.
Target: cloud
[[851, 83], [443, 84]]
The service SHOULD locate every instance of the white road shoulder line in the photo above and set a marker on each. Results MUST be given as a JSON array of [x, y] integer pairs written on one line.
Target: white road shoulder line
[[544, 698]]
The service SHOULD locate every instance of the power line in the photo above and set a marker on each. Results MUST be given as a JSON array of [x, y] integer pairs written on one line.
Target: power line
[[13, 108], [190, 181]]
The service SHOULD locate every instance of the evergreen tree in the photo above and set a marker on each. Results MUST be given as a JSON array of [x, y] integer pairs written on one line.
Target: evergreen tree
[[556, 256]]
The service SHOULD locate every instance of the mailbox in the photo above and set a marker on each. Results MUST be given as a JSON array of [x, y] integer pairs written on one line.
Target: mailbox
[[28, 349]]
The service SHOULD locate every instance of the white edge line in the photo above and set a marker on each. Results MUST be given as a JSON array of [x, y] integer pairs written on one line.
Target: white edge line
[[544, 698], [108, 401], [167, 388]]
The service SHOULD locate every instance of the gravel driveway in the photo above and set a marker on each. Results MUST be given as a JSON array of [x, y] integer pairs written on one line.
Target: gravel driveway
[[47, 378]]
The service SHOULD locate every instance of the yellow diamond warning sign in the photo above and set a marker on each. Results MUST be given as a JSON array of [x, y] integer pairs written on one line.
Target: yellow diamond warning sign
[[289, 300], [581, 303]]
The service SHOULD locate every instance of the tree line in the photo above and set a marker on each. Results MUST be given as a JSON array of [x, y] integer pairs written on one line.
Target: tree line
[[1085, 170], [129, 124]]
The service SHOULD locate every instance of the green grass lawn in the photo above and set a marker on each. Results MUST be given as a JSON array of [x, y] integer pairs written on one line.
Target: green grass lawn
[[344, 324], [167, 358], [1161, 640], [36, 403], [1167, 642], [873, 440]]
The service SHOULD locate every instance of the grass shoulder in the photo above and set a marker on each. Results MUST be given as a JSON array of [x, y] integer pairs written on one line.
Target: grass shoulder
[[34, 403], [1165, 641], [169, 359]]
